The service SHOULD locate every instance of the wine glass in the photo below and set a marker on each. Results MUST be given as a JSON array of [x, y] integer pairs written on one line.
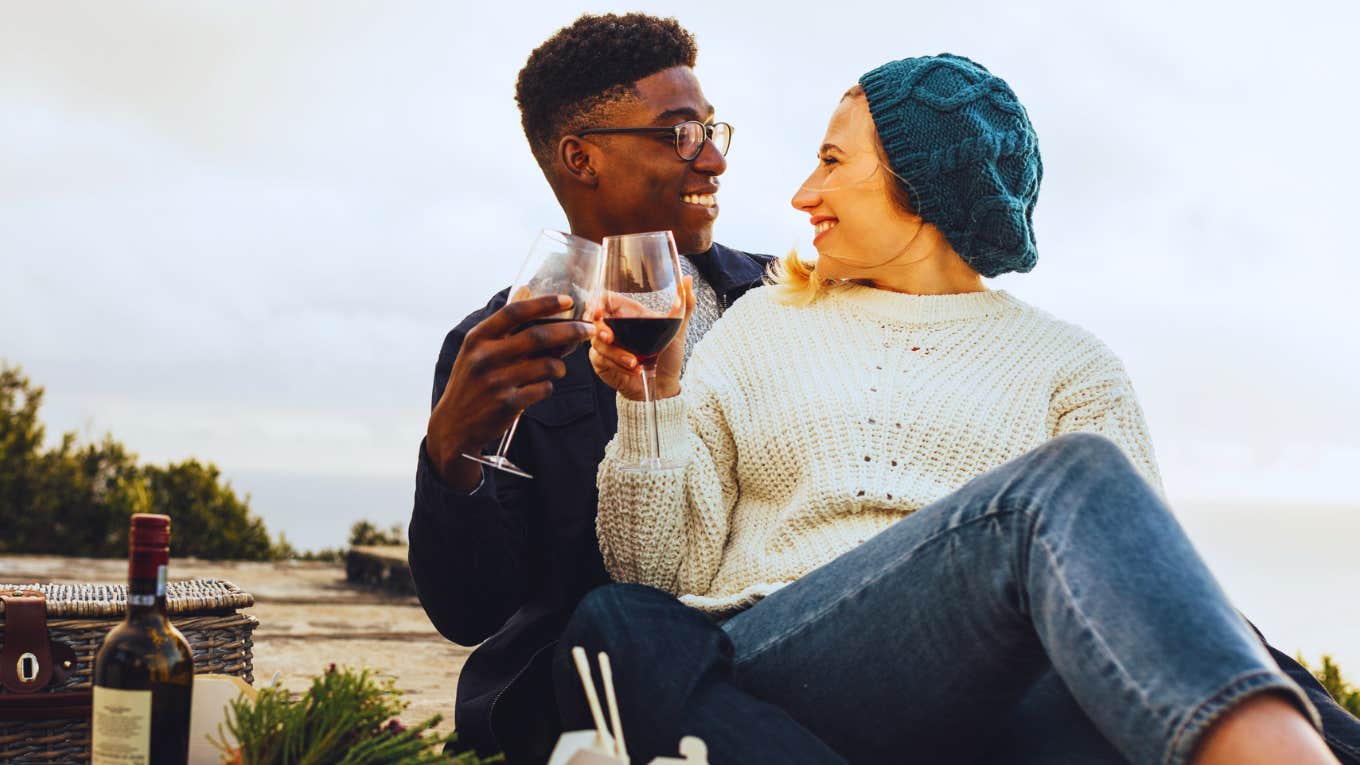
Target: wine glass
[[557, 264], [641, 302]]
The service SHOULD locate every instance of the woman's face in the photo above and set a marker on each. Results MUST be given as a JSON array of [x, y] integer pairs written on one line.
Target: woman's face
[[859, 228]]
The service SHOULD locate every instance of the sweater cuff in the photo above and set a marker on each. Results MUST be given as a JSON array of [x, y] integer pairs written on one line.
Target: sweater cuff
[[635, 435]]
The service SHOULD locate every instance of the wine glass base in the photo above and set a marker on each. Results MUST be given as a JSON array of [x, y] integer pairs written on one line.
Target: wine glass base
[[653, 465], [500, 463]]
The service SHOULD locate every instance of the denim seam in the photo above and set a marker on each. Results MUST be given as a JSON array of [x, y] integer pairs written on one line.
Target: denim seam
[[1089, 628], [797, 628], [1211, 709]]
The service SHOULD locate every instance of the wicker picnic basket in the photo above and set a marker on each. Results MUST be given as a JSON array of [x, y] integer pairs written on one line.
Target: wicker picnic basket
[[77, 618]]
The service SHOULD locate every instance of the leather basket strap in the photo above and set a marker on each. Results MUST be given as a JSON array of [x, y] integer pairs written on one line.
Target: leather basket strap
[[26, 664]]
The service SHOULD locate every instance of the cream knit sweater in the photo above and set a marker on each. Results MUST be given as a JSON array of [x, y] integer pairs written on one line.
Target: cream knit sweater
[[810, 429]]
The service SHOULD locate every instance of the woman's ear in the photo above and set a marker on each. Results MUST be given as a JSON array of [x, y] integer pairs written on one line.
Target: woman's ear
[[579, 160]]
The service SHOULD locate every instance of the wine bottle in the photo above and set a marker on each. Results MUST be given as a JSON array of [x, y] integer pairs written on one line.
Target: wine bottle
[[144, 671]]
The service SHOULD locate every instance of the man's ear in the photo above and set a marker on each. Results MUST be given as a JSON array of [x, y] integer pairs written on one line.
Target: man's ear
[[579, 160]]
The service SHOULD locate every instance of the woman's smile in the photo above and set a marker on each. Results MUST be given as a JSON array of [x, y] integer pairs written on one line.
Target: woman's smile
[[820, 225]]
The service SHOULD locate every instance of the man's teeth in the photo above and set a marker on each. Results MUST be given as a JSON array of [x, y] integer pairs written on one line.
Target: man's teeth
[[704, 200], [825, 225]]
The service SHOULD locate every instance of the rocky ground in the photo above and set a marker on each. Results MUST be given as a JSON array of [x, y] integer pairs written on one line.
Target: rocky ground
[[309, 617]]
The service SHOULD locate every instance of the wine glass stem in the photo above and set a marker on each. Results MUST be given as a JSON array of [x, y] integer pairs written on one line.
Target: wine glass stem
[[648, 385], [505, 439]]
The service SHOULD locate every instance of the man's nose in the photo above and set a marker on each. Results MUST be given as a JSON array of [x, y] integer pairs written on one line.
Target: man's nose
[[710, 161]]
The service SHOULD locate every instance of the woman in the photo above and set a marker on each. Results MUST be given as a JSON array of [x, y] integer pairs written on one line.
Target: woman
[[908, 496]]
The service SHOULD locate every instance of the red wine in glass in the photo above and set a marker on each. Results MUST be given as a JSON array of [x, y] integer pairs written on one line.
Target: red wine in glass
[[640, 299], [538, 322], [645, 338], [558, 352]]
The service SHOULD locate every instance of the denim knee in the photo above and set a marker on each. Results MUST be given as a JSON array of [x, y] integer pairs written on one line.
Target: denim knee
[[636, 621], [1086, 449], [1082, 464], [661, 651], [599, 614], [598, 624]]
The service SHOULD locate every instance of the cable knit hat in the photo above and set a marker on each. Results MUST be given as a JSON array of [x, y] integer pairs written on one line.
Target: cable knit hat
[[960, 138]]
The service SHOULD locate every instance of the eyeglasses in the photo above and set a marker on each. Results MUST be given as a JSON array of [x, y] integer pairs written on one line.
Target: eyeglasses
[[689, 136]]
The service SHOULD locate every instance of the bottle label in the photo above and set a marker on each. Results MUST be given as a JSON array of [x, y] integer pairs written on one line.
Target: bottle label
[[160, 580], [120, 727]]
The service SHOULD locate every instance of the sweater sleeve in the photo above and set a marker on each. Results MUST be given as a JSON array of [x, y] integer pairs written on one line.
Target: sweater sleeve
[[1097, 397], [667, 529]]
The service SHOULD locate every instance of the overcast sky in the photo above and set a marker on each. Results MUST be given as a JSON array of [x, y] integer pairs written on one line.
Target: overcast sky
[[239, 231]]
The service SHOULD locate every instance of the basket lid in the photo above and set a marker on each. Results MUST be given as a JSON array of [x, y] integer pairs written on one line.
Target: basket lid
[[186, 596]]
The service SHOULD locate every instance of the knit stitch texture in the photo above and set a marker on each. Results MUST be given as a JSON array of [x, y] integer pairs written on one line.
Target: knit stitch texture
[[706, 307], [836, 420]]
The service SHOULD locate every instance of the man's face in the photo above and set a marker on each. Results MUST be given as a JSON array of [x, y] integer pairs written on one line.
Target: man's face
[[643, 183]]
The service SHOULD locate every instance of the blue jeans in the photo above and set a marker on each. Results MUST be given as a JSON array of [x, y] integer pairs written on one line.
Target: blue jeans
[[918, 645]]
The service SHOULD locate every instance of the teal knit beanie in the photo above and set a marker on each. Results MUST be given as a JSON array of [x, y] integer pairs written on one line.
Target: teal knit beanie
[[959, 137]]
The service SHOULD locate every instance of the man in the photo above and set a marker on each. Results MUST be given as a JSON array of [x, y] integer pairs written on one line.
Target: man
[[502, 559]]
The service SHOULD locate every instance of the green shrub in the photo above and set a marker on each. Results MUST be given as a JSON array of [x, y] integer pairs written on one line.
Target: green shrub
[[284, 550], [345, 717], [75, 500], [1329, 674], [365, 533]]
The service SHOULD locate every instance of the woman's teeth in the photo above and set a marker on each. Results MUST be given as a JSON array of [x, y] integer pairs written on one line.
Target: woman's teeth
[[825, 225], [703, 200]]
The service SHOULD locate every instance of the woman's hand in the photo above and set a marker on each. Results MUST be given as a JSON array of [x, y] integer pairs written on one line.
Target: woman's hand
[[620, 369]]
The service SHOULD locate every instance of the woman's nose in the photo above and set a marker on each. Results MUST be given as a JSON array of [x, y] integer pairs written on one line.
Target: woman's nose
[[805, 198]]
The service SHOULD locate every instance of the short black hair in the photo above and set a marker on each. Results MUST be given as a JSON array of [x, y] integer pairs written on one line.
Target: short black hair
[[589, 66]]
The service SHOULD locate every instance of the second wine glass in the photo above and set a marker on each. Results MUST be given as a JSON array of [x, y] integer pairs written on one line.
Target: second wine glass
[[557, 264], [641, 301]]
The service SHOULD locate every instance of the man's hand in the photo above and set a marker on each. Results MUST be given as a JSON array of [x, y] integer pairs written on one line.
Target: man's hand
[[500, 371], [620, 370]]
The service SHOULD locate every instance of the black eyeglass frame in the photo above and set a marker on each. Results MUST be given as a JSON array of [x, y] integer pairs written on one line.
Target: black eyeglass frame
[[675, 130]]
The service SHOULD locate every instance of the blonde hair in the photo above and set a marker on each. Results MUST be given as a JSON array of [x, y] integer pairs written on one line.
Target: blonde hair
[[796, 281]]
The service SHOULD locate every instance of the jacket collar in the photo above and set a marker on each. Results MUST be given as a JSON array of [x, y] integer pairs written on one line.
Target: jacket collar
[[730, 271]]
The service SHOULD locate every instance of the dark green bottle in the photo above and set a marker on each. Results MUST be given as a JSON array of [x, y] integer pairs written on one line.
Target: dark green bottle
[[144, 672]]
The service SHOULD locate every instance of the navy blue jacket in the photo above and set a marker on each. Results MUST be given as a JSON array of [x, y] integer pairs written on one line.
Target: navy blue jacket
[[508, 563]]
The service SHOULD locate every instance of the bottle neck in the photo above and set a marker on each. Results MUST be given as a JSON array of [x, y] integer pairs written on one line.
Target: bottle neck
[[146, 582]]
